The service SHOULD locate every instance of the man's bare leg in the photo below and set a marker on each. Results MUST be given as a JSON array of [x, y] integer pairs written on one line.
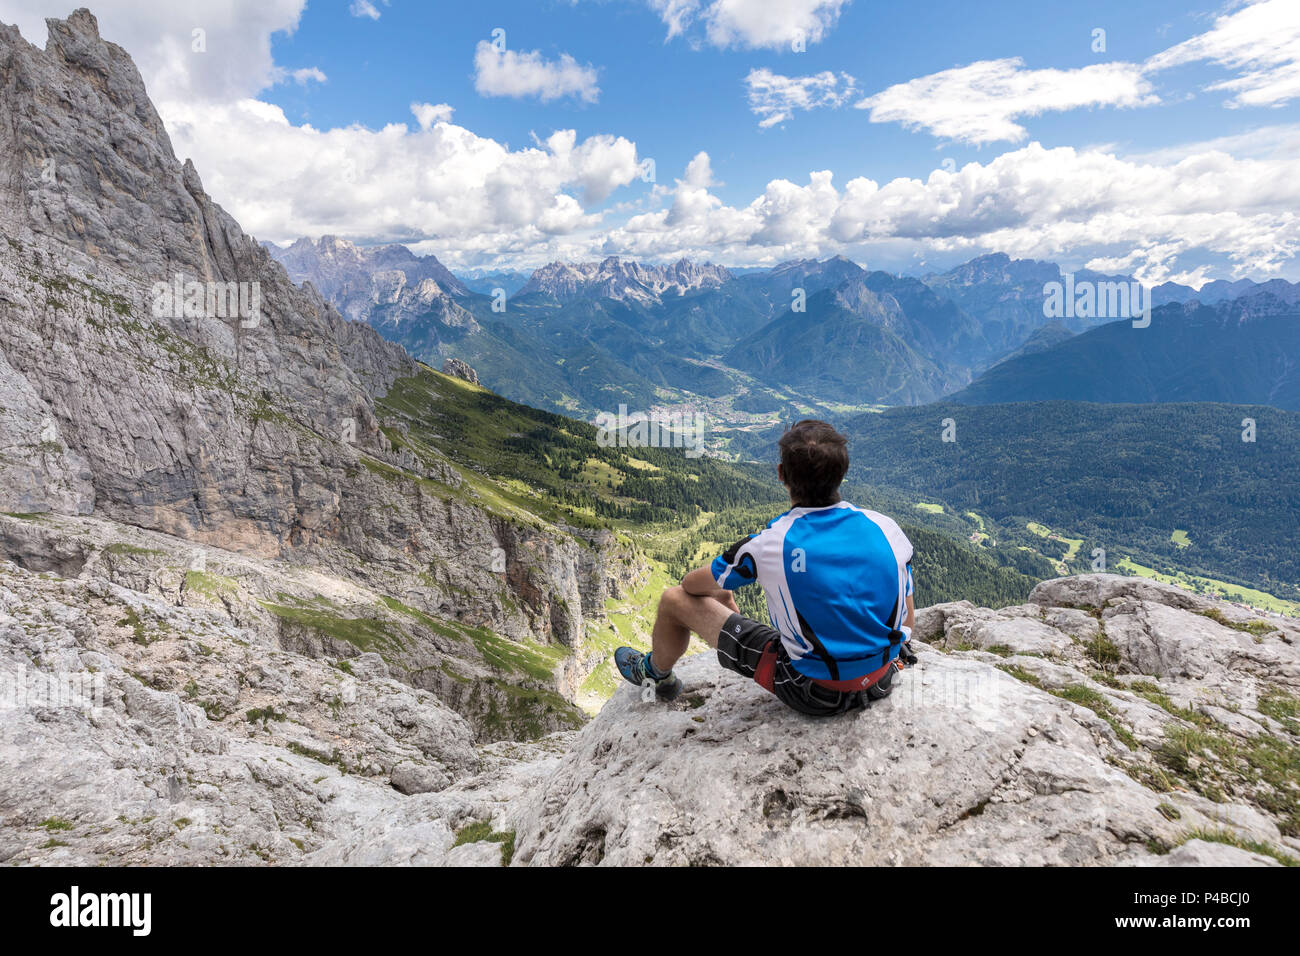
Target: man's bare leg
[[681, 613]]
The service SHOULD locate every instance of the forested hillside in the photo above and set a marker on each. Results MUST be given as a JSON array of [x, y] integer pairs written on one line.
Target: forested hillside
[[1171, 485], [683, 511], [555, 467], [1242, 351]]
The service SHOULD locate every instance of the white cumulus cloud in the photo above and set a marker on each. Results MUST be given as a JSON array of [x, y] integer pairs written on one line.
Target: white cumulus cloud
[[1261, 41], [282, 180], [308, 74], [753, 24], [201, 49], [511, 73], [442, 188], [775, 98], [426, 114], [980, 103], [1160, 220]]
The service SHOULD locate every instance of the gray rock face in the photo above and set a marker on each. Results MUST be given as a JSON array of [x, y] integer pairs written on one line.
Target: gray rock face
[[37, 471], [202, 735], [134, 731], [943, 772], [504, 690], [222, 427]]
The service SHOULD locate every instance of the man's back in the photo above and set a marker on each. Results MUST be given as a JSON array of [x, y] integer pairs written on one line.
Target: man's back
[[836, 578]]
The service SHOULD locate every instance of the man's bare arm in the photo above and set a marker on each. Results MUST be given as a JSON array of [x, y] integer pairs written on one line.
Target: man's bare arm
[[700, 583]]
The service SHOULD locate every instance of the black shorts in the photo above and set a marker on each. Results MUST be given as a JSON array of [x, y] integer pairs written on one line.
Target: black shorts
[[741, 643]]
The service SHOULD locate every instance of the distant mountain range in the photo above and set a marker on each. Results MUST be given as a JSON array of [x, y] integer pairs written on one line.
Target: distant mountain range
[[1221, 290], [624, 280], [872, 338], [382, 285], [808, 336], [412, 300], [1244, 350]]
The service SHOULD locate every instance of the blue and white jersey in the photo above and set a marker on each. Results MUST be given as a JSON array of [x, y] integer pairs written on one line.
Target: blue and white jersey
[[836, 579]]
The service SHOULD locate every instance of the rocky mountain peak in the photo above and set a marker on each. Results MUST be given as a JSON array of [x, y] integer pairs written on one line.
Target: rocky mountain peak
[[184, 425], [857, 297], [382, 285], [624, 280], [998, 267], [817, 275], [173, 326], [333, 265]]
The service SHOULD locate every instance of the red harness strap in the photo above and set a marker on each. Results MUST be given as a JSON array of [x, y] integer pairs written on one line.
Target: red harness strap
[[765, 674], [857, 683]]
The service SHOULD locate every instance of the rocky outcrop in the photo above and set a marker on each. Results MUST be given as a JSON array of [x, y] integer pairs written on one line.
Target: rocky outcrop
[[1020, 738], [136, 731], [1103, 723], [460, 369], [505, 689]]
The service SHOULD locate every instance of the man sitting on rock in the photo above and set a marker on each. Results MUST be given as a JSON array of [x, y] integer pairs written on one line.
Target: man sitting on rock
[[838, 581]]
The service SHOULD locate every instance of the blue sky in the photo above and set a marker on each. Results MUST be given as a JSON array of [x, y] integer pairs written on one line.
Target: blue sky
[[677, 98], [907, 136]]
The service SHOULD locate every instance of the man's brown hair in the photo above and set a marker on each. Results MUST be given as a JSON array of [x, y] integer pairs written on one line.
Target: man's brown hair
[[814, 459]]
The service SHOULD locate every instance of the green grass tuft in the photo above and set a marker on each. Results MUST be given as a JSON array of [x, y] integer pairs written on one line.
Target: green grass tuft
[[132, 620], [1231, 839], [482, 830], [1282, 707], [122, 548], [1020, 674], [363, 633], [1100, 705], [263, 714]]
